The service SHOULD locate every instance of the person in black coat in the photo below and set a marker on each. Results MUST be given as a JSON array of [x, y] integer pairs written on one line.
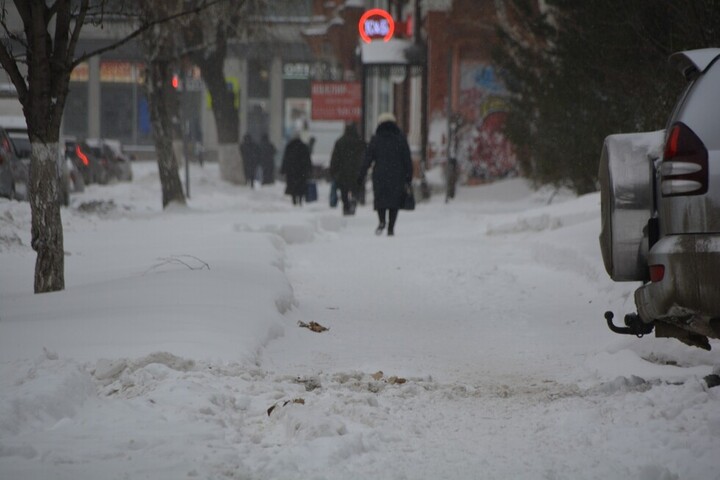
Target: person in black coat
[[389, 155], [250, 152], [267, 160], [297, 167], [345, 163]]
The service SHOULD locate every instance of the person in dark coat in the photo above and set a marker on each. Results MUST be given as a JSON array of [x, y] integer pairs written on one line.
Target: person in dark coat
[[389, 155], [345, 164], [250, 152], [267, 160], [296, 166]]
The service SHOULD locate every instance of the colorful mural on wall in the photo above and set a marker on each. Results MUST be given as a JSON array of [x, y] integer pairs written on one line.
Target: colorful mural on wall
[[481, 147]]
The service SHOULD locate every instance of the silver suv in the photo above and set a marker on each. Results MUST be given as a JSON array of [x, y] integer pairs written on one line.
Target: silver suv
[[660, 202]]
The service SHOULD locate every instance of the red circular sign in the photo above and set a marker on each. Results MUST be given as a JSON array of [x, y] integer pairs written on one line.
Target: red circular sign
[[376, 23]]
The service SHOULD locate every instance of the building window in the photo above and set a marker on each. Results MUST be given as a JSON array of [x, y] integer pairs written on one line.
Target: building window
[[258, 79]]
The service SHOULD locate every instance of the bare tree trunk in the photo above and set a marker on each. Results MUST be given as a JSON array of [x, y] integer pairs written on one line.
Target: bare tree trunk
[[226, 117], [225, 111], [43, 100], [223, 99], [231, 163], [47, 231], [160, 99]]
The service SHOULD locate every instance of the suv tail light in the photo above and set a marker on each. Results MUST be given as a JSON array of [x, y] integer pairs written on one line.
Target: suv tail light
[[684, 169]]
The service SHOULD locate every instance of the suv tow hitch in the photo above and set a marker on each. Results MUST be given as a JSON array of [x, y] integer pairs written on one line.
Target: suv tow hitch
[[634, 326]]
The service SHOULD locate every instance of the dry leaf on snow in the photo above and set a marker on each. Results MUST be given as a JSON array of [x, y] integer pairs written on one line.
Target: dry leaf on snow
[[314, 326]]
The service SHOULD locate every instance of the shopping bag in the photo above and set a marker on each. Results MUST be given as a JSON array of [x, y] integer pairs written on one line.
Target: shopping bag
[[311, 195], [409, 200]]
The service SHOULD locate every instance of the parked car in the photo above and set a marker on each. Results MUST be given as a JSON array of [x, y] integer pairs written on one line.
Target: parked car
[[660, 202], [20, 142], [20, 145], [77, 182], [118, 163], [7, 159], [92, 168]]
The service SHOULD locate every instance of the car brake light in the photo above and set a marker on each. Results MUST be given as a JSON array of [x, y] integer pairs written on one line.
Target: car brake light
[[684, 169], [83, 158], [657, 273]]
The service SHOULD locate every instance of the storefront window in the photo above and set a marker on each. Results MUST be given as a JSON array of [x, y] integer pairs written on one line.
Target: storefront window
[[117, 118], [258, 79]]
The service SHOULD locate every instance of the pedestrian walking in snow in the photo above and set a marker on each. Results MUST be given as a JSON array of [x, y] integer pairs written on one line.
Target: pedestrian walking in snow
[[296, 166], [250, 152], [267, 160], [389, 156], [345, 164]]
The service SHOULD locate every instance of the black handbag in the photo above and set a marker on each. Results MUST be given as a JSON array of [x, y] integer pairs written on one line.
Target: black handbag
[[409, 199]]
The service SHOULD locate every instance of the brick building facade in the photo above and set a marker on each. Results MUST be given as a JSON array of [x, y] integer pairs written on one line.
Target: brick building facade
[[465, 101]]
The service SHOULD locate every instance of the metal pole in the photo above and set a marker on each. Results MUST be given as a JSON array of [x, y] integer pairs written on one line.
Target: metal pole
[[417, 34], [183, 103], [363, 129]]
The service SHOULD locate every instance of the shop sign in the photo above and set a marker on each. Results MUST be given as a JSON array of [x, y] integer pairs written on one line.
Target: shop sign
[[376, 23], [336, 101], [119, 72], [111, 72], [296, 71]]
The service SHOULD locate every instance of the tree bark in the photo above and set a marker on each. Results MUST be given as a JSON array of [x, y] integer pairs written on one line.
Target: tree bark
[[47, 231], [224, 108], [225, 111], [42, 95], [161, 101]]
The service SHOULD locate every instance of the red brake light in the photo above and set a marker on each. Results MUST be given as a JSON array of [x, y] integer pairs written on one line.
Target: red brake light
[[684, 169], [83, 158], [671, 148], [657, 273]]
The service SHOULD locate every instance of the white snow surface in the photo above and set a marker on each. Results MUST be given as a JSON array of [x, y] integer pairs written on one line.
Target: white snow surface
[[178, 331]]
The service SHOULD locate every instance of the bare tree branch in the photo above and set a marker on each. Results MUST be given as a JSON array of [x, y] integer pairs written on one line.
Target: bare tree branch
[[10, 66], [146, 27], [76, 31]]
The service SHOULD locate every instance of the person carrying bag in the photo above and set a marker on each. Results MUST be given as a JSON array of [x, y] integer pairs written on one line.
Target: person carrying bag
[[389, 156]]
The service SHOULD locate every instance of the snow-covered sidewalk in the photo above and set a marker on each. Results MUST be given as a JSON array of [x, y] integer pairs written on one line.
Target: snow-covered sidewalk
[[470, 345]]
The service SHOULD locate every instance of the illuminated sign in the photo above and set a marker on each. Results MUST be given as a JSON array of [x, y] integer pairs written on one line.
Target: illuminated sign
[[376, 23]]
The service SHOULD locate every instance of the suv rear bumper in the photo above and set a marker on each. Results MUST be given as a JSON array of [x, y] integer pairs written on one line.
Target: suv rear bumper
[[689, 293]]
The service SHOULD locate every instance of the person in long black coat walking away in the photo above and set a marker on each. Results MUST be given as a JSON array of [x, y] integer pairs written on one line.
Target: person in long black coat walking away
[[389, 155], [250, 152], [267, 160], [297, 167], [345, 164]]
